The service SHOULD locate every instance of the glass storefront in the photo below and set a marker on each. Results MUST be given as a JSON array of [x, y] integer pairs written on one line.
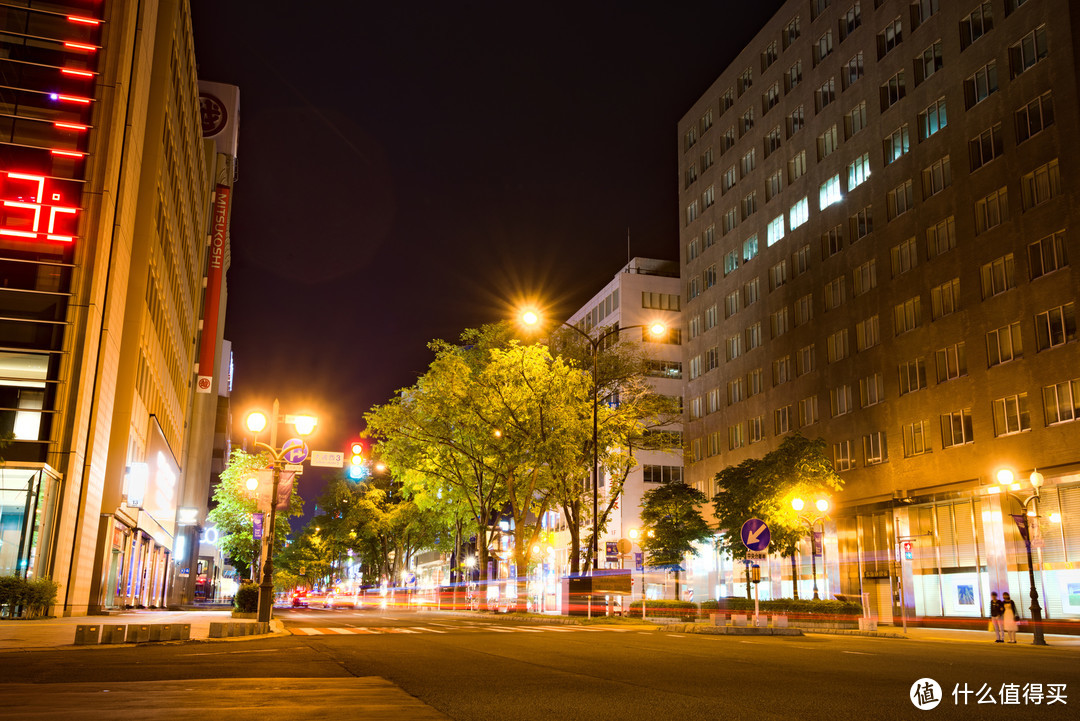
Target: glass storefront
[[27, 510]]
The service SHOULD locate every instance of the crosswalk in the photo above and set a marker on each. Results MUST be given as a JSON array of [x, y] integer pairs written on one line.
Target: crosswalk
[[449, 628]]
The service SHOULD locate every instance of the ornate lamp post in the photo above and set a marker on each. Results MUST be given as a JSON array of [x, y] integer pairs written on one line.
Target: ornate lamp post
[[822, 504], [532, 318], [256, 422], [1008, 485]]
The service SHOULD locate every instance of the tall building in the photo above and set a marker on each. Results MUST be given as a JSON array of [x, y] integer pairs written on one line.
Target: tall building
[[105, 202], [877, 215]]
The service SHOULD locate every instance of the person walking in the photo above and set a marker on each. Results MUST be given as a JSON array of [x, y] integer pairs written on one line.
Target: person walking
[[997, 620], [1009, 617]]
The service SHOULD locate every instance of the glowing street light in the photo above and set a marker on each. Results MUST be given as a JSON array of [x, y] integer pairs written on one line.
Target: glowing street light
[[822, 505]]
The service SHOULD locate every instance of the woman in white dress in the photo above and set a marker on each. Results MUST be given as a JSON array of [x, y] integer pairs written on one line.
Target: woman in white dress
[[1010, 618]]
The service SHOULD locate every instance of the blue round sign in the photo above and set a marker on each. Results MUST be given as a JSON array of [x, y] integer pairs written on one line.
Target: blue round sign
[[755, 534], [294, 450]]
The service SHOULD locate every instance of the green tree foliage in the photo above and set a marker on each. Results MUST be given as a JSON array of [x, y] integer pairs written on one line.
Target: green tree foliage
[[234, 504], [671, 514]]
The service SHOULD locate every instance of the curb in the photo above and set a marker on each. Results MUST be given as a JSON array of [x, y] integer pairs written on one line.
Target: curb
[[732, 630]]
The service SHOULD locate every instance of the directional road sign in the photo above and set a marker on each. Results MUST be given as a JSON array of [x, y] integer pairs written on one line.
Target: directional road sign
[[294, 450], [755, 534]]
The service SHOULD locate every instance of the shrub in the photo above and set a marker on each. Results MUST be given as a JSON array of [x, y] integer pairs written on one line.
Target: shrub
[[247, 598], [684, 610], [789, 606], [32, 597]]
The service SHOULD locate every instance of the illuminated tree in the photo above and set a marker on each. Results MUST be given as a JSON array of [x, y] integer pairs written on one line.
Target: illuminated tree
[[671, 515]]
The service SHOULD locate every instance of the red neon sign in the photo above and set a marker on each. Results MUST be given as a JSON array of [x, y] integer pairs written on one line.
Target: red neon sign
[[30, 209]]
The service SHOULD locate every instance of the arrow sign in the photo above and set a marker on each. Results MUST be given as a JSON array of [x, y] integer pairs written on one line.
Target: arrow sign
[[294, 450], [755, 534]]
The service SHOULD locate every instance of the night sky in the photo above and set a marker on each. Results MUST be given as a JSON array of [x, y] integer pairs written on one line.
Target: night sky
[[409, 170]]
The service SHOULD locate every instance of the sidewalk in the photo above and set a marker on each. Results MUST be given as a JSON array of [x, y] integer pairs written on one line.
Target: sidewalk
[[16, 635], [953, 635]]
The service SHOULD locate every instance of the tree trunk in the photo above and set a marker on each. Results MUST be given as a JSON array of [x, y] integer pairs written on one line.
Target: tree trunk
[[678, 595], [575, 541], [746, 566], [794, 577], [521, 561]]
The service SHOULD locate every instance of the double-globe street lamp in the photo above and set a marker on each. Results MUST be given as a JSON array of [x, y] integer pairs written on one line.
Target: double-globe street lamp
[[1009, 484], [256, 422], [658, 330], [822, 504]]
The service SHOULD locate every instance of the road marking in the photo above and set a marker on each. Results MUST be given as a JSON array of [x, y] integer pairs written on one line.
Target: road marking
[[675, 635], [429, 630], [860, 653], [556, 629], [342, 630]]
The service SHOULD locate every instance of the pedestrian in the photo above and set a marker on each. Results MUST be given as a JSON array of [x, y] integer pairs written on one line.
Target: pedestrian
[[1009, 617], [997, 620]]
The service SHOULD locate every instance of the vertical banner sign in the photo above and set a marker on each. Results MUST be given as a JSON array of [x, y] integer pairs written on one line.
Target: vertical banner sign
[[817, 543], [212, 303], [612, 548], [639, 561], [257, 525]]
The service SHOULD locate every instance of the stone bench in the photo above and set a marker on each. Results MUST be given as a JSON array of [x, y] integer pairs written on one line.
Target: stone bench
[[92, 634], [234, 629]]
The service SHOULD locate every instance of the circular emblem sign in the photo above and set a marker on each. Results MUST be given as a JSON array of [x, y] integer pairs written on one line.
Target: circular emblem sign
[[214, 115], [204, 383]]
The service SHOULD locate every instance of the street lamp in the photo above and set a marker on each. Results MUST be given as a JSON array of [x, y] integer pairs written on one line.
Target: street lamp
[[1008, 484], [638, 537], [822, 504], [256, 422], [657, 329]]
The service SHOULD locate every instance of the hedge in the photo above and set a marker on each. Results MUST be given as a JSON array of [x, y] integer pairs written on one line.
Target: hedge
[[790, 606], [684, 610], [32, 598], [247, 598]]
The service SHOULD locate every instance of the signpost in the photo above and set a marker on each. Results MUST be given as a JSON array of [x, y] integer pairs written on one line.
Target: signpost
[[328, 459], [755, 536]]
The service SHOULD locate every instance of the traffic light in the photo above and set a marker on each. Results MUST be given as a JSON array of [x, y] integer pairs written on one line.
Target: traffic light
[[908, 550], [357, 470]]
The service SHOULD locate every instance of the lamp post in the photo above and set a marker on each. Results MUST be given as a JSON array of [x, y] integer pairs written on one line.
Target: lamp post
[[638, 537], [256, 422], [1007, 480], [531, 318], [822, 504]]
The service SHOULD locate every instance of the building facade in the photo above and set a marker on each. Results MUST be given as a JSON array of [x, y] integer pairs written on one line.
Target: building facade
[[877, 222]]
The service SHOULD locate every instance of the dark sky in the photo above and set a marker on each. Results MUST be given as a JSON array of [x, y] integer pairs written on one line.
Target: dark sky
[[408, 170]]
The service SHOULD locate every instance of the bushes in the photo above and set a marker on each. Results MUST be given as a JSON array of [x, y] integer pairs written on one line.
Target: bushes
[[684, 610], [789, 606], [32, 597], [247, 598]]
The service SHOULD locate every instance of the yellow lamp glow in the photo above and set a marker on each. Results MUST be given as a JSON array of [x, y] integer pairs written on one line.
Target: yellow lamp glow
[[633, 533], [797, 504], [252, 483], [822, 504], [658, 329], [1005, 477], [305, 425], [256, 421], [1055, 517], [530, 317]]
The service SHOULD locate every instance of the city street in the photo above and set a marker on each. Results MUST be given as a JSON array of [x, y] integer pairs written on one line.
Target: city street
[[473, 668]]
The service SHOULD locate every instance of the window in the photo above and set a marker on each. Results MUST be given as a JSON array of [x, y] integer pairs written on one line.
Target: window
[[805, 360], [778, 275], [928, 63], [664, 369], [841, 400], [706, 160], [796, 121], [827, 143], [797, 167], [981, 85], [749, 162], [900, 199], [735, 391], [916, 438], [998, 276], [835, 292], [800, 260], [838, 346], [1061, 402], [851, 20], [691, 175], [956, 428], [912, 376], [710, 236], [731, 261], [730, 219], [694, 328], [727, 100], [852, 70], [991, 210], [1011, 415], [756, 428], [750, 248], [855, 120], [746, 79], [941, 237], [951, 362], [1047, 255], [692, 212], [817, 7], [858, 171], [893, 91], [780, 321], [782, 420], [731, 304], [769, 56], [889, 37], [749, 204], [734, 347], [862, 224], [976, 24], [1003, 345], [693, 288], [773, 185], [826, 94], [752, 291], [727, 181], [693, 249], [781, 370], [775, 230], [798, 214], [697, 410], [907, 315], [905, 256], [843, 458], [922, 10], [708, 198], [706, 121], [874, 448], [868, 333], [689, 139], [736, 436], [897, 144], [1030, 50], [937, 177], [1034, 117], [713, 445], [659, 301], [823, 47], [753, 336], [695, 365], [771, 98], [710, 276], [712, 359], [871, 390], [945, 298], [711, 317], [865, 277], [832, 240], [804, 309], [1040, 185], [985, 147], [662, 474], [755, 380], [727, 140], [1055, 327], [932, 119], [793, 76], [772, 141], [791, 32], [1012, 5], [746, 122], [808, 411]]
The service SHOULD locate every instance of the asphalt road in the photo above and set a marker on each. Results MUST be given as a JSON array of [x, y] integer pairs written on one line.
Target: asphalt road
[[496, 669]]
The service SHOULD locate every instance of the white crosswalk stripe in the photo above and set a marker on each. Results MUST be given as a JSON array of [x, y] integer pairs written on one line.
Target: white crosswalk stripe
[[447, 628]]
